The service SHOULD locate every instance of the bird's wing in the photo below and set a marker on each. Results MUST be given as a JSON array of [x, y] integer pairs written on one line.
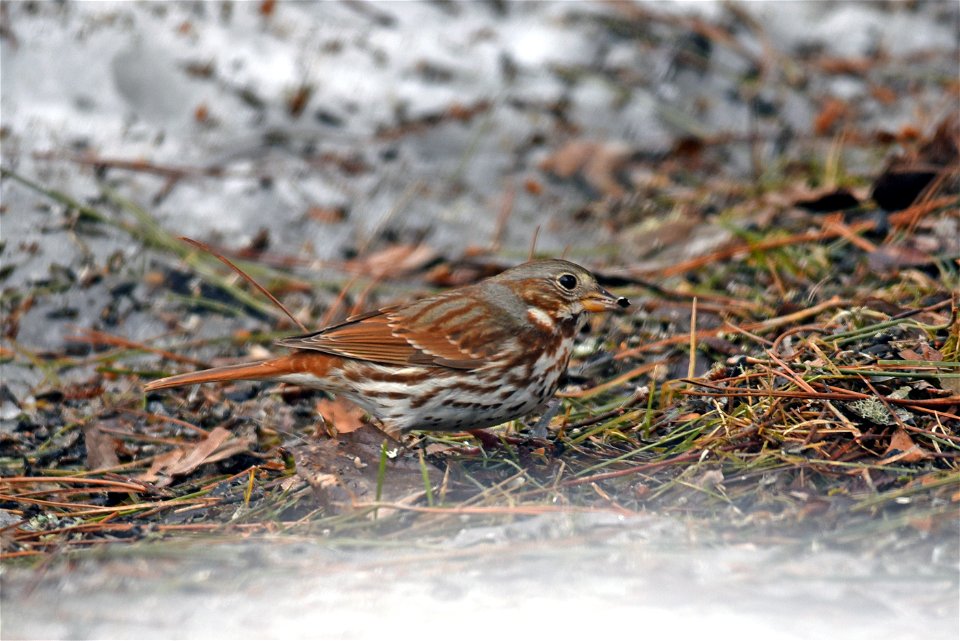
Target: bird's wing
[[447, 330]]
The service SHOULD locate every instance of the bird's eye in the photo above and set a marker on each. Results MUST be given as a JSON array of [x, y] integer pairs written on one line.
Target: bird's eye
[[568, 281]]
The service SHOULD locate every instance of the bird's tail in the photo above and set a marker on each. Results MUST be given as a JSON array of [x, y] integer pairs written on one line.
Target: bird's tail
[[261, 370]]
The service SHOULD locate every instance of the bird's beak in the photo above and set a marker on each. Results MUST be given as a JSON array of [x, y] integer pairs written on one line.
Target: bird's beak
[[603, 301]]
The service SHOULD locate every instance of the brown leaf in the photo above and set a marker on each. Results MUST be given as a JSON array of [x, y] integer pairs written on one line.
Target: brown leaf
[[889, 257], [902, 448], [101, 448], [219, 444], [197, 456], [161, 462], [832, 111], [395, 260], [883, 94], [950, 384], [599, 163], [342, 414], [909, 355], [533, 187], [328, 214], [845, 66]]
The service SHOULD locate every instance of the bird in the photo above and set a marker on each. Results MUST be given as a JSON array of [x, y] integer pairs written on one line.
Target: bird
[[463, 359]]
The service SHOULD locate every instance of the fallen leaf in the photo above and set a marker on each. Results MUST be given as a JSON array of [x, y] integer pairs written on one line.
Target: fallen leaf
[[845, 66], [342, 414], [218, 445], [902, 448], [883, 94], [327, 214], [101, 448], [161, 462], [889, 257], [533, 187], [832, 110], [395, 260], [195, 457], [599, 163]]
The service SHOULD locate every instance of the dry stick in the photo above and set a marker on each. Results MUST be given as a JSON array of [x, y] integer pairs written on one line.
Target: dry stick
[[747, 248], [71, 479], [790, 374], [692, 365], [907, 218], [919, 209], [226, 261], [528, 510], [613, 382], [772, 323], [361, 302], [682, 458], [844, 395], [533, 243], [335, 306], [848, 234], [640, 394], [167, 171], [95, 337], [503, 218], [166, 419]]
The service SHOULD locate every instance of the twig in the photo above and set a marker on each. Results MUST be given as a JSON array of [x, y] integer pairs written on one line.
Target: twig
[[226, 261]]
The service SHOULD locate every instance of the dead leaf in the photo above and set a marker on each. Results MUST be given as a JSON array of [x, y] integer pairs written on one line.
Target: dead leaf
[[832, 110], [196, 456], [342, 414], [533, 187], [218, 445], [599, 163], [889, 257], [161, 462], [101, 448], [883, 94], [902, 448], [327, 215], [845, 66], [950, 384], [395, 260]]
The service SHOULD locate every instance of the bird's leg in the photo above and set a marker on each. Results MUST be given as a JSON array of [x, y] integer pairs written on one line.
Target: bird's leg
[[549, 411], [491, 441]]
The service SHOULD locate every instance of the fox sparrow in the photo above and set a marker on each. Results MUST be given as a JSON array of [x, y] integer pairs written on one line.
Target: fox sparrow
[[464, 359]]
